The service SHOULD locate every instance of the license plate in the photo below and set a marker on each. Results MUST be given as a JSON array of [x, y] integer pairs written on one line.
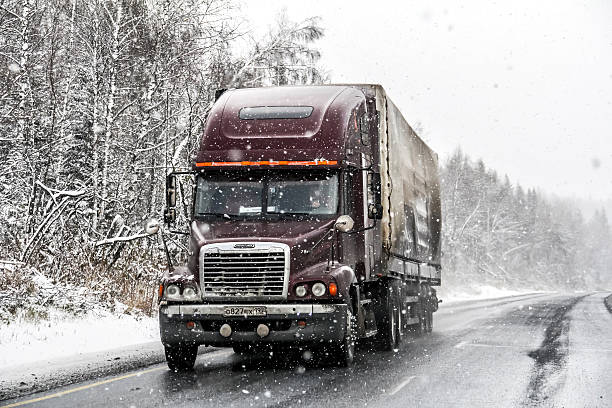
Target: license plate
[[245, 311]]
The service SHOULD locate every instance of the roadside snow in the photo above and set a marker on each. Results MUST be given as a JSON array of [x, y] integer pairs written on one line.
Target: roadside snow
[[62, 334], [449, 295]]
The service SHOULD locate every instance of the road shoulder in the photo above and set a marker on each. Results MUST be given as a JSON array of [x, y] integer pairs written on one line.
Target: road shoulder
[[20, 380]]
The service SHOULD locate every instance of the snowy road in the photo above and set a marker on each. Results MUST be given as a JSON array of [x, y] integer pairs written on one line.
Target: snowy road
[[530, 350]]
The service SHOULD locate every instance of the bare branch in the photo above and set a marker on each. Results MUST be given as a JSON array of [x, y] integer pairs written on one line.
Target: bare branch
[[114, 240]]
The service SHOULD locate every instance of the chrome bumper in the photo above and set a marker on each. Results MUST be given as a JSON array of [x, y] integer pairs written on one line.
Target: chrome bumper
[[323, 323], [281, 310]]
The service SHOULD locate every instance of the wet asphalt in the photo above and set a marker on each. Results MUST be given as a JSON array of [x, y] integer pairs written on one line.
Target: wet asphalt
[[540, 350]]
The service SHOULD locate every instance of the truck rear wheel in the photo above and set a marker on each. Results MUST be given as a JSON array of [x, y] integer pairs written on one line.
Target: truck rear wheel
[[428, 320], [389, 329], [419, 328], [181, 357]]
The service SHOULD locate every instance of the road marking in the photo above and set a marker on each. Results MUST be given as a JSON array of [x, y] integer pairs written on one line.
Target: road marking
[[217, 353], [590, 350], [83, 387], [527, 346], [497, 345], [463, 344], [402, 385], [460, 344]]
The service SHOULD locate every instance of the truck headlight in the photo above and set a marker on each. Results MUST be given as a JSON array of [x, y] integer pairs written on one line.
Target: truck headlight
[[190, 292], [318, 289], [300, 291], [173, 292]]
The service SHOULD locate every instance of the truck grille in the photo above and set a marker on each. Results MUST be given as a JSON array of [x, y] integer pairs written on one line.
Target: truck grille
[[254, 270]]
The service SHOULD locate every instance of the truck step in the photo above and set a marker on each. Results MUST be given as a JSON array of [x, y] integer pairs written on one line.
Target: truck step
[[365, 302], [370, 333], [412, 320]]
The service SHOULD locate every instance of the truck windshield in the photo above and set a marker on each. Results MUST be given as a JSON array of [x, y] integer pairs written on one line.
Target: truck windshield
[[226, 195], [303, 196]]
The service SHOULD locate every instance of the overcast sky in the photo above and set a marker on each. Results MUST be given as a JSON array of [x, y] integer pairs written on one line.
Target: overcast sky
[[525, 85]]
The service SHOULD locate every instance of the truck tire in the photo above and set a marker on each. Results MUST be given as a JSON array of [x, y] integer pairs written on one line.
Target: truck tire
[[346, 349], [389, 326], [428, 320], [421, 327], [181, 357]]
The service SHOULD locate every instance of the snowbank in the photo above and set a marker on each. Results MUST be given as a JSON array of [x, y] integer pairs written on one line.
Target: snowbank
[[41, 321], [63, 334]]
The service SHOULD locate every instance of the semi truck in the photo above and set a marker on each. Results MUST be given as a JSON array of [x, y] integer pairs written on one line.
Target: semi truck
[[315, 223]]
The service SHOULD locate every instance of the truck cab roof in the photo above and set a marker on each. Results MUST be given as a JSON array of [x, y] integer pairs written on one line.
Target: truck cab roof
[[288, 123]]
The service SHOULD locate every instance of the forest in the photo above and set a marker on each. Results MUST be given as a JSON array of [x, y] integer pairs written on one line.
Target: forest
[[99, 99], [497, 233]]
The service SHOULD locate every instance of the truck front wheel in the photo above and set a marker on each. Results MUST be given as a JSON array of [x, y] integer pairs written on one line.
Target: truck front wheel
[[181, 357], [346, 349]]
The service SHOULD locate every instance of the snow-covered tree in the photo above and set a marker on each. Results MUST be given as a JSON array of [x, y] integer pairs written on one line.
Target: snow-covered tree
[[98, 100], [495, 233]]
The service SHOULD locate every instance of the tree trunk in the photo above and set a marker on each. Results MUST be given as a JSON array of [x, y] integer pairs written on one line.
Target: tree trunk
[[110, 106], [96, 127]]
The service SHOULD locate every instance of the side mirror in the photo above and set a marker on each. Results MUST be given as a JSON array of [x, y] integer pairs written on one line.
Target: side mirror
[[151, 226], [344, 223], [171, 191], [170, 213], [375, 211]]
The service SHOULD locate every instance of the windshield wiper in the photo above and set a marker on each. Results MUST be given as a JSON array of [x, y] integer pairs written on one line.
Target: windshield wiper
[[289, 213]]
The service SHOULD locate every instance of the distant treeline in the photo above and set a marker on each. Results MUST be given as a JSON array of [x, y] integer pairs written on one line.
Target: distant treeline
[[497, 233]]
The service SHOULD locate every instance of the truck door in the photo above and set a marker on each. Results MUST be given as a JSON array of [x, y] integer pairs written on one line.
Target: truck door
[[368, 239]]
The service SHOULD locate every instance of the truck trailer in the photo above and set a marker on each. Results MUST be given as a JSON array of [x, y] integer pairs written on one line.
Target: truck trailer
[[315, 223]]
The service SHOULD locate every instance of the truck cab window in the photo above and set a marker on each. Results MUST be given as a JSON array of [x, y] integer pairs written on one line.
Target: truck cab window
[[230, 197], [303, 196], [307, 193]]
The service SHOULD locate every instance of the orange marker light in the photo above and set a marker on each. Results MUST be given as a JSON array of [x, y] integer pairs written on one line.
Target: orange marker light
[[160, 291], [270, 163], [333, 289], [191, 325], [301, 323]]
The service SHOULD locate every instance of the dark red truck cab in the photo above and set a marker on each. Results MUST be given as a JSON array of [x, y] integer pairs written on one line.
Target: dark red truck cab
[[316, 222]]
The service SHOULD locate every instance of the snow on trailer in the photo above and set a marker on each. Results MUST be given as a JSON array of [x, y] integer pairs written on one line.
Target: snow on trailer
[[316, 222], [411, 223]]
